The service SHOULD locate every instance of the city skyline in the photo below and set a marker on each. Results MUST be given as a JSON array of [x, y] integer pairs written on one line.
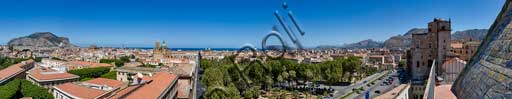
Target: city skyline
[[189, 24]]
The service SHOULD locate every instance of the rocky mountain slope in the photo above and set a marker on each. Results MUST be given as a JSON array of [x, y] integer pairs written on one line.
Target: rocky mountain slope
[[369, 43], [474, 34], [41, 39], [403, 41]]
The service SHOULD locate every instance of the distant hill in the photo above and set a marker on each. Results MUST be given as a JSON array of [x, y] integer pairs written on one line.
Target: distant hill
[[41, 39], [403, 41], [474, 34], [369, 43], [326, 46]]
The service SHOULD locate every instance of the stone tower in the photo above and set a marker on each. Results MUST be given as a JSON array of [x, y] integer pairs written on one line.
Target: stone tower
[[425, 49], [164, 48], [440, 35], [157, 47]]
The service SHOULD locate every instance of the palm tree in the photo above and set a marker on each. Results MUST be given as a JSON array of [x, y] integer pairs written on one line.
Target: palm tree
[[308, 75], [292, 77], [280, 80], [285, 76], [268, 82]]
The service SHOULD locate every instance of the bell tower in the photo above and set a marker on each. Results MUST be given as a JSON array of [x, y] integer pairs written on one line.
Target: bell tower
[[164, 48], [157, 47]]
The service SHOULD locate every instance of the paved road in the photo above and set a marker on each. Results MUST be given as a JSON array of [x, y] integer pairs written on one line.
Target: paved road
[[342, 90], [376, 87], [200, 88]]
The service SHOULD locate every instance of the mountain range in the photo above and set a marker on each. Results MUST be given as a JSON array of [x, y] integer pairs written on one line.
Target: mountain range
[[404, 41], [41, 39]]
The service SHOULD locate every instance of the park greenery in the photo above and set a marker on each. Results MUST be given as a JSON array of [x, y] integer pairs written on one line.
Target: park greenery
[[19, 88], [55, 58], [90, 73], [151, 66], [110, 75], [118, 62], [225, 79], [6, 62], [402, 64], [38, 59]]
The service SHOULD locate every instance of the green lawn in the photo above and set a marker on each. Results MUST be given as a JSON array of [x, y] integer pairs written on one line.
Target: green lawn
[[110, 75]]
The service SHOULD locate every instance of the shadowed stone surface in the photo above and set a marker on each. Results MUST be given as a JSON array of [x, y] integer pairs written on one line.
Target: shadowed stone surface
[[489, 72]]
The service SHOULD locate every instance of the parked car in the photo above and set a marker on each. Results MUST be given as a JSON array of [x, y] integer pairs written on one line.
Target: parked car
[[377, 91]]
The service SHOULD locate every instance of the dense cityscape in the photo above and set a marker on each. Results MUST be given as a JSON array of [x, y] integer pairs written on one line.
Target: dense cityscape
[[429, 62]]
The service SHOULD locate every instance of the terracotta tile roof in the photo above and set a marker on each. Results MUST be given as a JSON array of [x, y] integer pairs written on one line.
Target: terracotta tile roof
[[161, 81], [9, 72], [125, 91], [107, 82], [43, 74], [139, 69], [184, 88], [13, 70], [79, 91], [24, 63]]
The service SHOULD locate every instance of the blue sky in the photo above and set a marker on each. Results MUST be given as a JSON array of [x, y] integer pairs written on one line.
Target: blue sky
[[232, 23]]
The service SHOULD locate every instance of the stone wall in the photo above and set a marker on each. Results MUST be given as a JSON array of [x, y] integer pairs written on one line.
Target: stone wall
[[489, 72]]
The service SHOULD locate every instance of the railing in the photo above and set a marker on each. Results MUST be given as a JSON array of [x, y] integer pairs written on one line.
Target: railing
[[431, 83]]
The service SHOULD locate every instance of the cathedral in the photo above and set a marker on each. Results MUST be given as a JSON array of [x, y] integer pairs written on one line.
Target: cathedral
[[161, 51]]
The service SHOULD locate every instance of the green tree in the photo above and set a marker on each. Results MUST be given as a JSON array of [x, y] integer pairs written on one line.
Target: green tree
[[205, 63], [56, 58], [268, 82], [110, 75], [30, 90], [252, 93], [37, 59], [333, 72], [221, 92], [285, 76], [308, 75], [90, 72], [292, 75], [8, 91], [118, 62], [280, 80], [19, 88], [402, 64], [213, 77], [150, 66], [6, 62]]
